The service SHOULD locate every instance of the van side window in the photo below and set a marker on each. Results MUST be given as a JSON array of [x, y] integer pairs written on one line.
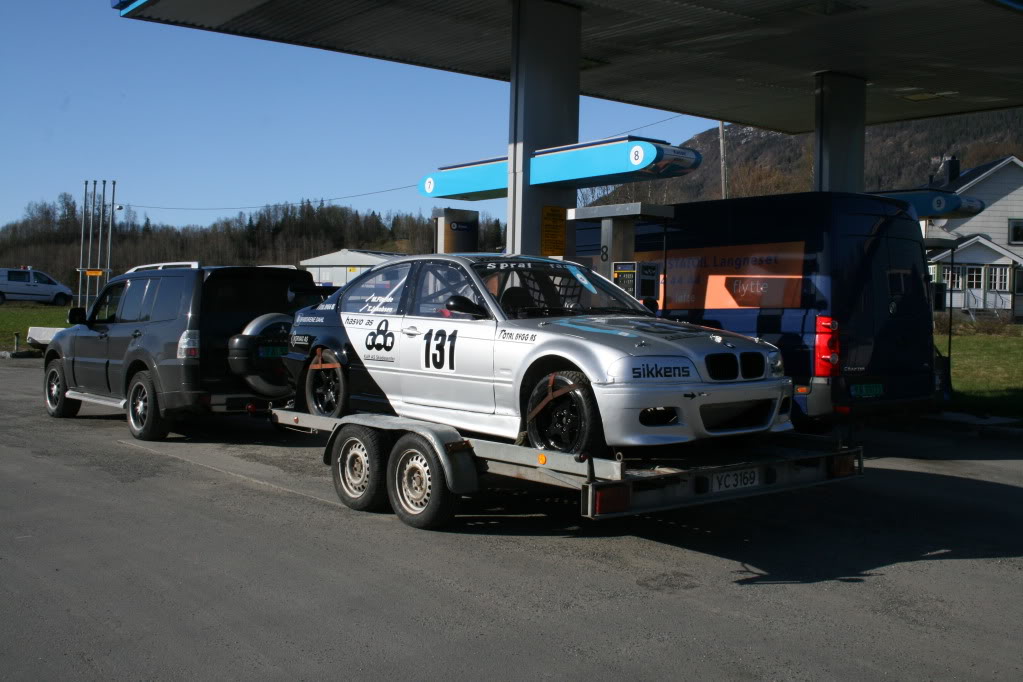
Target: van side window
[[132, 305], [17, 275], [168, 299], [105, 309]]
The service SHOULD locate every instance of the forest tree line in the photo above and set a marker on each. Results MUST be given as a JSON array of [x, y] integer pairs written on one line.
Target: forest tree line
[[48, 236]]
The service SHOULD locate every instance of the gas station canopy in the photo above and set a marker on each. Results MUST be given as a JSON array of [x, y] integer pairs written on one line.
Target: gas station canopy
[[745, 61]]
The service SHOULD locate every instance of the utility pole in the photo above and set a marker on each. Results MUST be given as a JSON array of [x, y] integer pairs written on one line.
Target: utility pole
[[724, 168], [110, 227], [81, 244]]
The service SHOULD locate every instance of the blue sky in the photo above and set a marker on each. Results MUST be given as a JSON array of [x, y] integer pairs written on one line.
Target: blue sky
[[186, 118]]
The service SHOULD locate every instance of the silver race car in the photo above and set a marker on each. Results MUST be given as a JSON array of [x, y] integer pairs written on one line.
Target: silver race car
[[539, 350]]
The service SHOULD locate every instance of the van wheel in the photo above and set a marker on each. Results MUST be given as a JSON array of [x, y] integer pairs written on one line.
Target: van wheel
[[61, 300], [416, 485], [3, 299], [358, 464], [144, 420], [568, 423], [326, 390], [57, 404]]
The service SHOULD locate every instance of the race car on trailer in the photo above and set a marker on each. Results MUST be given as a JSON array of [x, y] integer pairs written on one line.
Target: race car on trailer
[[530, 350]]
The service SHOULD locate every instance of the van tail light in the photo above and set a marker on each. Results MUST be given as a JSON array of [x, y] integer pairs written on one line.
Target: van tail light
[[188, 344], [825, 348]]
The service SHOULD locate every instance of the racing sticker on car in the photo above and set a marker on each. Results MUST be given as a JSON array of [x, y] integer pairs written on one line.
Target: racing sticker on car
[[519, 337], [380, 342], [308, 319], [439, 349]]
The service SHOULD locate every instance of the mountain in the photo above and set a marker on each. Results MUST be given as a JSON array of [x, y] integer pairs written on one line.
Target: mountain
[[898, 156]]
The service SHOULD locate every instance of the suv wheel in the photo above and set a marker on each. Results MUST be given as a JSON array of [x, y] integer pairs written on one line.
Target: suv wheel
[[54, 386], [144, 420]]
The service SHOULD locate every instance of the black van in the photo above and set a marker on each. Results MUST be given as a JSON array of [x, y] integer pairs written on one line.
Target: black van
[[837, 281]]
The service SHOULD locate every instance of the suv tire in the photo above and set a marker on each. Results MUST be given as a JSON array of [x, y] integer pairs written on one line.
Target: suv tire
[[144, 419], [54, 386]]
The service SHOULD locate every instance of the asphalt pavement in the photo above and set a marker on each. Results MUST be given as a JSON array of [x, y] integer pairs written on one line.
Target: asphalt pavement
[[224, 553]]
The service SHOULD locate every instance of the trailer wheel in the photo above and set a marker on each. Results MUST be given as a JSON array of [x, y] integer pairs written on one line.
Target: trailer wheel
[[416, 484], [358, 464], [569, 422]]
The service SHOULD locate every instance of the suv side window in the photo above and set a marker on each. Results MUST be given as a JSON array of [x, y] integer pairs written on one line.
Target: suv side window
[[168, 299], [379, 294], [105, 309], [132, 307], [40, 278]]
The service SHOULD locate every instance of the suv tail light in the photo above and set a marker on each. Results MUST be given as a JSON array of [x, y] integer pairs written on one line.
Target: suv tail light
[[188, 344], [825, 348]]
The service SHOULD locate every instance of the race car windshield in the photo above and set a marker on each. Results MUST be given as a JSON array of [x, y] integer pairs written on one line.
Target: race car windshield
[[528, 289]]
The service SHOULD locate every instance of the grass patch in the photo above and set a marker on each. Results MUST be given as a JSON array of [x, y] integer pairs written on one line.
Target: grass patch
[[987, 374], [18, 316]]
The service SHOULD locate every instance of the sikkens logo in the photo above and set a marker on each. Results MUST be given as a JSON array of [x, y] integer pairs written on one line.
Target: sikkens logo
[[654, 371]]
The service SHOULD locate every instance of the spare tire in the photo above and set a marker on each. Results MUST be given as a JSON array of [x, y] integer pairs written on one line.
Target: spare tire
[[255, 354]]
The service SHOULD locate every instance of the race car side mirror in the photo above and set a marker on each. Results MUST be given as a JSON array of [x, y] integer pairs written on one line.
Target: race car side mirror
[[651, 304], [460, 304], [76, 316]]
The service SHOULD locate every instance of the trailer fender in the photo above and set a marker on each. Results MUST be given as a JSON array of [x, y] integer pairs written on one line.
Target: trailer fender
[[453, 451]]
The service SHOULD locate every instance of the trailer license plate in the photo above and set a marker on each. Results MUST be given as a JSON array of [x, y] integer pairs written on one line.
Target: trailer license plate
[[734, 480]]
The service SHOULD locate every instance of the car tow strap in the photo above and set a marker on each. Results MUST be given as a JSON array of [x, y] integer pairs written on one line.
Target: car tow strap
[[319, 364]]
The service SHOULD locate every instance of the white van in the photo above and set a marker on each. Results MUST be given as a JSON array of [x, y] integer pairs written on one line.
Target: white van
[[26, 284]]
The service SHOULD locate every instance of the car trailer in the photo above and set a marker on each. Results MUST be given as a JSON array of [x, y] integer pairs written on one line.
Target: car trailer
[[420, 469]]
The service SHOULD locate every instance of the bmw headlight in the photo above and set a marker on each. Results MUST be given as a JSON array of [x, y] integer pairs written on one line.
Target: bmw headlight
[[653, 368], [775, 366]]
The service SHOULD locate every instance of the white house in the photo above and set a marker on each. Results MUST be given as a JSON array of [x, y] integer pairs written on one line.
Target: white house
[[985, 270], [339, 267]]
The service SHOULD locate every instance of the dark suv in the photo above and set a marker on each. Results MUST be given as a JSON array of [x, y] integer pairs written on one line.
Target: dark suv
[[165, 343]]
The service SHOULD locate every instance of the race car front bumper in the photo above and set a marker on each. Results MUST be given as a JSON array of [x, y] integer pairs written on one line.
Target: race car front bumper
[[637, 415]]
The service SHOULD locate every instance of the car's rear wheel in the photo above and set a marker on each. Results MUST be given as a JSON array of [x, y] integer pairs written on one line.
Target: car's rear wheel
[[144, 419], [57, 404], [562, 415], [325, 387]]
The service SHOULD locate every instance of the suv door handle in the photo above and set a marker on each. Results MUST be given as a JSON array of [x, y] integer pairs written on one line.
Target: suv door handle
[[411, 331], [137, 333], [102, 335]]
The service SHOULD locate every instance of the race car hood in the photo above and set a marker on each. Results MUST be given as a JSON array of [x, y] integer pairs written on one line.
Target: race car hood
[[638, 335]]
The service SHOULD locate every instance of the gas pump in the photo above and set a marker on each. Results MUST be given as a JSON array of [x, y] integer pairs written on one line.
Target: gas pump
[[640, 279]]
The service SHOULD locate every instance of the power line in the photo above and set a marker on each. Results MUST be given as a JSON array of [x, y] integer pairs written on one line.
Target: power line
[[663, 120], [280, 203]]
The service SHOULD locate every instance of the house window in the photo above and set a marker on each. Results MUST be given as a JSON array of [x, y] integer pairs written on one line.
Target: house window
[[1016, 230], [1019, 281], [953, 277], [932, 270], [998, 278], [974, 277]]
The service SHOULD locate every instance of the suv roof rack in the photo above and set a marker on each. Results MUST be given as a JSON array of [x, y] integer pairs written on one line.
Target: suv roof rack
[[164, 266]]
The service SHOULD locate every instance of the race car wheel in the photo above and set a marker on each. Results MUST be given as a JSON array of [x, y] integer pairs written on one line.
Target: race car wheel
[[416, 485], [54, 386], [326, 390], [144, 419], [358, 464], [569, 422]]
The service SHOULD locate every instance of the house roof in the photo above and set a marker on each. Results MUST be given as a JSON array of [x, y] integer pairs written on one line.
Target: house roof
[[971, 177], [982, 240]]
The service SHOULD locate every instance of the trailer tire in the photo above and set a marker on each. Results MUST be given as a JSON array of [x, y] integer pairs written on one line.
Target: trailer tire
[[54, 387], [569, 423], [416, 484], [358, 465]]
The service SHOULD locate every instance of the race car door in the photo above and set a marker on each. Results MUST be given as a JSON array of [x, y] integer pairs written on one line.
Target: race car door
[[371, 320], [447, 358]]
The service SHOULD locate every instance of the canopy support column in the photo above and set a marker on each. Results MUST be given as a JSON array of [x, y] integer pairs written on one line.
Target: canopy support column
[[840, 114], [546, 38]]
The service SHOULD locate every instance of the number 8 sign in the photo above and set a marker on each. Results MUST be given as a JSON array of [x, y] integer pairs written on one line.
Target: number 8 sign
[[636, 155]]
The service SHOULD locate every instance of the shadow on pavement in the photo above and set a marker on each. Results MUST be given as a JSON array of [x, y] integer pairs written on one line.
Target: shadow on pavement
[[845, 532], [241, 430]]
